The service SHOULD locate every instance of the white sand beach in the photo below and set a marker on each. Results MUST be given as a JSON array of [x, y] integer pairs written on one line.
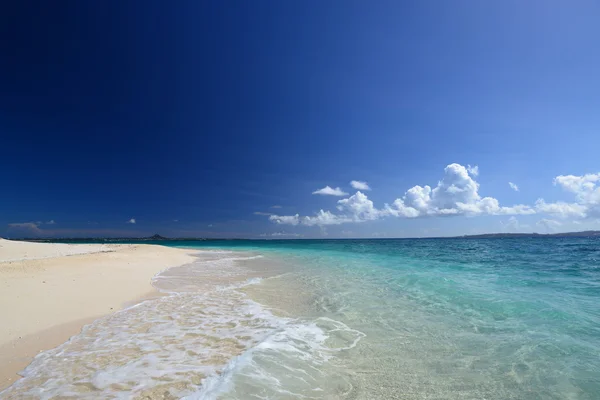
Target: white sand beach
[[49, 291]]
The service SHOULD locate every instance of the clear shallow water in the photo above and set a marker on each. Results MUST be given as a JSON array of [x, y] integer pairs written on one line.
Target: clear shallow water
[[351, 319]]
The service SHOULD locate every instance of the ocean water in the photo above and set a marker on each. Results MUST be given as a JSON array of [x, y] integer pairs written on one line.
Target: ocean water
[[347, 319]]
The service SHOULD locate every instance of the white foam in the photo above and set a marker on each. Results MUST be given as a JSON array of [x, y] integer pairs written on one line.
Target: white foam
[[269, 363], [203, 339]]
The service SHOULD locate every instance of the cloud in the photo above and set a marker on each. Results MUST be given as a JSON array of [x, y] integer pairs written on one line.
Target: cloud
[[578, 184], [474, 170], [329, 191], [285, 219], [324, 218], [513, 225], [210, 225], [29, 228], [561, 209], [131, 221], [456, 194], [281, 234], [360, 185], [276, 206], [587, 197], [513, 186], [175, 220], [359, 207], [549, 224], [262, 213]]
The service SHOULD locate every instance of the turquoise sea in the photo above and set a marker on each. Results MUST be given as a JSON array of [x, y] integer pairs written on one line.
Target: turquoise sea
[[348, 319]]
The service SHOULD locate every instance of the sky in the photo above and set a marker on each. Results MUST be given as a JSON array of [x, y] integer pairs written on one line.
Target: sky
[[275, 119]]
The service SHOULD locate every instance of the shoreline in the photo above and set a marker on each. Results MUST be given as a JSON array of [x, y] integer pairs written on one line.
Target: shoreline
[[49, 292]]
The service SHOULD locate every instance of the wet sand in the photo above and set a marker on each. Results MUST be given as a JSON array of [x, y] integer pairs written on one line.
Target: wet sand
[[48, 292]]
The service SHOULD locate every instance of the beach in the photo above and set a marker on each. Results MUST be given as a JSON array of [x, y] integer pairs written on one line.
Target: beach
[[313, 319], [49, 291]]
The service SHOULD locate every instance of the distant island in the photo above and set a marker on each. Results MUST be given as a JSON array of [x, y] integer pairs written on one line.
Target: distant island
[[530, 235], [159, 238]]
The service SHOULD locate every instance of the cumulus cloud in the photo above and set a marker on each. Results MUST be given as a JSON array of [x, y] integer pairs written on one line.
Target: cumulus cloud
[[285, 219], [561, 209], [456, 194], [360, 185], [359, 207], [329, 191], [324, 218], [356, 208], [262, 213], [131, 221], [587, 197], [474, 170], [579, 185], [513, 186]]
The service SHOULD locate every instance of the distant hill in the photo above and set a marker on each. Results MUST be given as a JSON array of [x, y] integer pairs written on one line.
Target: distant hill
[[530, 235]]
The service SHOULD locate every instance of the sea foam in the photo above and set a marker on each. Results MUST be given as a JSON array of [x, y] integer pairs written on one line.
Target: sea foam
[[202, 339]]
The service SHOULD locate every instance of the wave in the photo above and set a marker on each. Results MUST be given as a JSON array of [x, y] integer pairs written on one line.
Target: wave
[[203, 338]]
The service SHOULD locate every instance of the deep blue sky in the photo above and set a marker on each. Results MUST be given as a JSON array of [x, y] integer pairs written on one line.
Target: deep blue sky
[[208, 113]]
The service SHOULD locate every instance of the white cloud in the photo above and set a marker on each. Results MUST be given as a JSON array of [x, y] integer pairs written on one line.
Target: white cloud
[[276, 206], [561, 209], [356, 208], [329, 191], [587, 197], [578, 184], [131, 221], [210, 225], [456, 194], [262, 213], [359, 207], [285, 219], [323, 218], [550, 224], [513, 186], [281, 234], [474, 170], [360, 185]]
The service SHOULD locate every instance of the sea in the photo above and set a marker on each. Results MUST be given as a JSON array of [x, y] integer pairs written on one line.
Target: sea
[[494, 318]]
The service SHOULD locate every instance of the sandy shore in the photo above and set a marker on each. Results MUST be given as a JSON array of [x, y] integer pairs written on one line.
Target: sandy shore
[[49, 291]]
